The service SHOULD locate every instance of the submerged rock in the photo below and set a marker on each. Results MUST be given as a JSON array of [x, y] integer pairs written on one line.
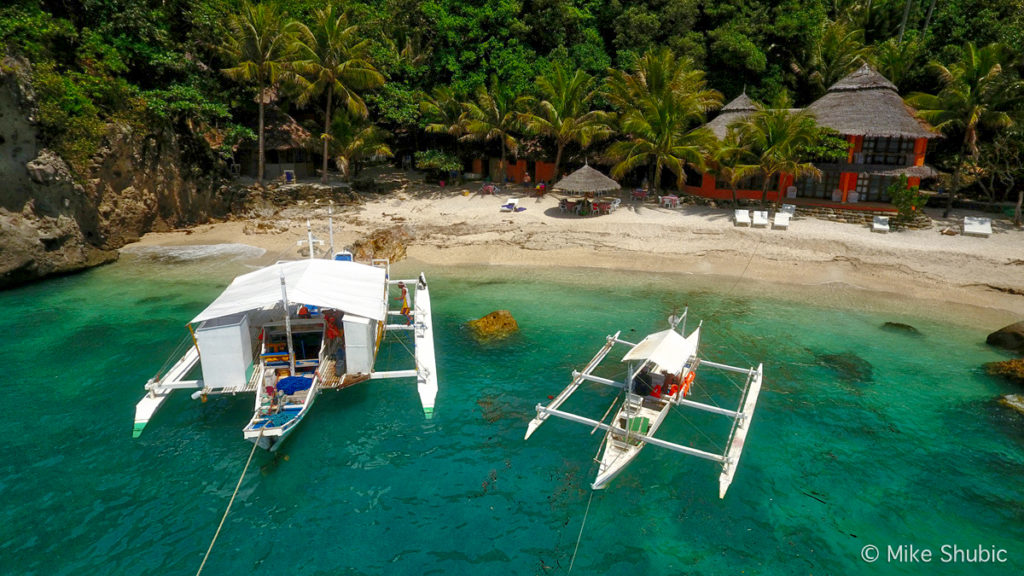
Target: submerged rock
[[1009, 337], [1009, 369], [1015, 401], [901, 327], [849, 366], [496, 325]]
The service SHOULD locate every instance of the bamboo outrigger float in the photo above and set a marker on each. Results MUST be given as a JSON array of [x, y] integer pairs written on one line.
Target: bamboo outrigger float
[[661, 370]]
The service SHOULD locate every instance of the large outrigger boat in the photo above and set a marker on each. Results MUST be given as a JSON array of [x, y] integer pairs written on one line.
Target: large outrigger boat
[[660, 374], [292, 329]]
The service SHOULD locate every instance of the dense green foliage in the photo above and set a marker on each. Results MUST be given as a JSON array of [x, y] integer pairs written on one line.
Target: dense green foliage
[[907, 200], [152, 62]]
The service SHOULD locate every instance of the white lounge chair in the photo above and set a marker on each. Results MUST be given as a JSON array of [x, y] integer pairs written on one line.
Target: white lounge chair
[[789, 209], [781, 220], [743, 217], [510, 205], [977, 226], [880, 224], [761, 218]]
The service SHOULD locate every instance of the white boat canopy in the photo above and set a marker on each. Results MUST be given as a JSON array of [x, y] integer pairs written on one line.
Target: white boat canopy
[[347, 286], [668, 350]]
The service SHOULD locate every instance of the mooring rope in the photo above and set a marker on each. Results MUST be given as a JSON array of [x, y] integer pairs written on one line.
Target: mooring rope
[[255, 445], [580, 537]]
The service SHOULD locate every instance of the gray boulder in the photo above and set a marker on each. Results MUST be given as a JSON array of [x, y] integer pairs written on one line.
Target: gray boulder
[[1009, 337]]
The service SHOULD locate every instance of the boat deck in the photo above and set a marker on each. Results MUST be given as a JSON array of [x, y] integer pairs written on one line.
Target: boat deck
[[328, 378]]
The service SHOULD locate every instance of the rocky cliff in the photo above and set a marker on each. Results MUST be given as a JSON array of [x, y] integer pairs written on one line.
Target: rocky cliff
[[52, 222]]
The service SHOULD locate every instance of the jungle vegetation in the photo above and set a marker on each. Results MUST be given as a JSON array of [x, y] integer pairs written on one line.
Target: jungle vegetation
[[628, 84]]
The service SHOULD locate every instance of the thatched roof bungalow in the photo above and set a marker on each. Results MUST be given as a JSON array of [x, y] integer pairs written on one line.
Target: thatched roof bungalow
[[287, 145], [886, 140]]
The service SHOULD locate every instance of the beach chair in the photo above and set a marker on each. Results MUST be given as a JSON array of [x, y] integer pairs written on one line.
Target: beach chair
[[789, 209], [743, 217], [880, 224], [977, 226], [781, 220], [510, 205], [760, 218]]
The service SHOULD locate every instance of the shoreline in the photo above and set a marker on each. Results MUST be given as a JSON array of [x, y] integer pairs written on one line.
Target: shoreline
[[460, 228]]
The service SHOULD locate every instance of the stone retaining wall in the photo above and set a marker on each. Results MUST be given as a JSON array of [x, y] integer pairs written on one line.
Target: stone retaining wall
[[921, 222]]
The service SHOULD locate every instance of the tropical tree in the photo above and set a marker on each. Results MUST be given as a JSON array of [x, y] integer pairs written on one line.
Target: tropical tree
[[354, 139], [442, 112], [732, 160], [978, 92], [493, 115], [332, 58], [897, 61], [260, 43], [658, 104], [836, 51], [781, 139], [564, 113]]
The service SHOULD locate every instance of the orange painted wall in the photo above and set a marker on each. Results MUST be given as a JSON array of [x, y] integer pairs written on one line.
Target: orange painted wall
[[856, 145], [478, 165], [707, 189], [544, 171], [920, 148]]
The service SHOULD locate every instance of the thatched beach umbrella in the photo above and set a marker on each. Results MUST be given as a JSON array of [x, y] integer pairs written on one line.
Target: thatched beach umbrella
[[586, 180]]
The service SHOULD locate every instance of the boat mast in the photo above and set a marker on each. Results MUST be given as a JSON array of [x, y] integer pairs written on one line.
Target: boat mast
[[287, 324]]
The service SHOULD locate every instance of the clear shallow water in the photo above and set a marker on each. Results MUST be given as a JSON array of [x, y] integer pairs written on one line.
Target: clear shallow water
[[863, 436]]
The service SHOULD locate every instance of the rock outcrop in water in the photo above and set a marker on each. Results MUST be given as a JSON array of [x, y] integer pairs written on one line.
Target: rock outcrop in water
[[1009, 337], [849, 367], [901, 327], [53, 223], [496, 325], [1010, 369]]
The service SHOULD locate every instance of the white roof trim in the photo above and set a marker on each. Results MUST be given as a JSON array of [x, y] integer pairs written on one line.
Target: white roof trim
[[347, 286], [668, 350]]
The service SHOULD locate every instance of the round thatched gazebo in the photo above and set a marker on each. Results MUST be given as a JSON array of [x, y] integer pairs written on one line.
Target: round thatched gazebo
[[586, 180]]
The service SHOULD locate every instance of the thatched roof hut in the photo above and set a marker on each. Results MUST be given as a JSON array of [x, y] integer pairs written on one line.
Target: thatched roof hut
[[864, 103], [741, 107], [585, 180]]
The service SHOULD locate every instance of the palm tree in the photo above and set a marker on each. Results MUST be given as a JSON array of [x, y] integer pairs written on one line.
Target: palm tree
[[333, 59], [897, 60], [975, 94], [260, 43], [564, 113], [780, 140], [837, 51], [732, 160], [442, 110], [493, 116], [659, 103], [354, 139]]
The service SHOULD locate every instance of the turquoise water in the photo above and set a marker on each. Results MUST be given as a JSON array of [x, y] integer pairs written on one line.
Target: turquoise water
[[863, 436]]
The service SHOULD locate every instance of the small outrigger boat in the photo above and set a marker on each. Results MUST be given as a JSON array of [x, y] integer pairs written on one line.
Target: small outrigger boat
[[660, 374], [290, 330]]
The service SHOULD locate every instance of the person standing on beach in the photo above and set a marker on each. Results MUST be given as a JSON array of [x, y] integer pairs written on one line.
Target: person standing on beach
[[526, 179]]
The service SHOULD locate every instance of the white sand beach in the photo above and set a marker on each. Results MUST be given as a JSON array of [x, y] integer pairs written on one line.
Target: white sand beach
[[457, 226]]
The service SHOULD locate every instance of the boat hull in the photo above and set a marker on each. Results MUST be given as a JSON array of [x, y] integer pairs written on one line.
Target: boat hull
[[637, 415]]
